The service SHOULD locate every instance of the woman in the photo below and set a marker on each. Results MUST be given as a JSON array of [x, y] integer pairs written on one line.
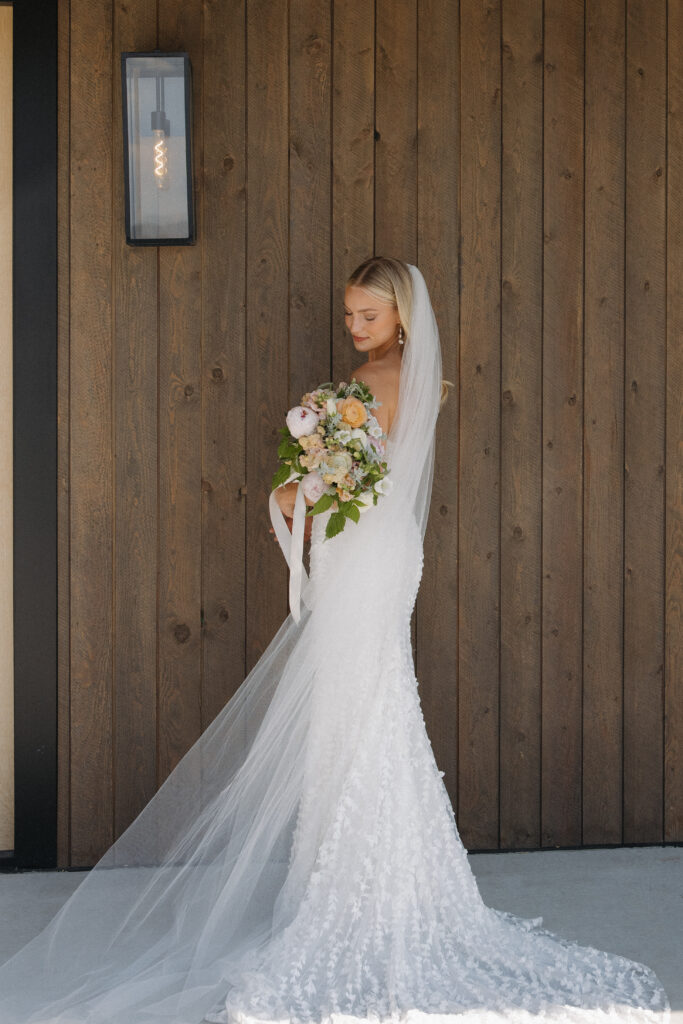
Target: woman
[[376, 329], [302, 862]]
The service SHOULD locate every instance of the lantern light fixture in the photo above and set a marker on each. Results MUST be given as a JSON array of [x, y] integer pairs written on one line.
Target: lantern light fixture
[[156, 105]]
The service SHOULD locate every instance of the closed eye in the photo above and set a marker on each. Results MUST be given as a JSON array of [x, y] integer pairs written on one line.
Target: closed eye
[[368, 318]]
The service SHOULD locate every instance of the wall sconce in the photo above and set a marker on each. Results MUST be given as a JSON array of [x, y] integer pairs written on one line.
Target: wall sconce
[[157, 148]]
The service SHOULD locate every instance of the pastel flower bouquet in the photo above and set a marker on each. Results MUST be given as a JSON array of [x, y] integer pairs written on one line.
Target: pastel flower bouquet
[[335, 446]]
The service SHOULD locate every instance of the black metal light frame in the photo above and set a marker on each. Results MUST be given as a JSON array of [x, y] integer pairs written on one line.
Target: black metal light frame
[[190, 238]]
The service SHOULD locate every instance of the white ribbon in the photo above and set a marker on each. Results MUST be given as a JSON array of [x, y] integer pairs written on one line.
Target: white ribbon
[[292, 545]]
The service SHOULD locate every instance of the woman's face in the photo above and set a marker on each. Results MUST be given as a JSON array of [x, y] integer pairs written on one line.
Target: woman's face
[[372, 322]]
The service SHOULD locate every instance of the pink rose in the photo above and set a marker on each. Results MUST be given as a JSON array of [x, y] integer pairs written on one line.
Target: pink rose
[[314, 486], [301, 421]]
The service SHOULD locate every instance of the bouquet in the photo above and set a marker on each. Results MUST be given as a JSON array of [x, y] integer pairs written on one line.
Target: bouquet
[[334, 444]]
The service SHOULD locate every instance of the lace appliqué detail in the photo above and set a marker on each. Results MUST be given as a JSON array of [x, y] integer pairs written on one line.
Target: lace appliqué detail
[[381, 917]]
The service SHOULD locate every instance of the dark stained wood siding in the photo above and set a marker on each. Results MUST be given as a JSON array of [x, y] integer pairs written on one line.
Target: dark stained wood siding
[[672, 679], [529, 158]]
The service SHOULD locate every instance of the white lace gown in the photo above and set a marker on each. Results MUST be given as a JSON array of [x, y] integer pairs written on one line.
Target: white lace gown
[[380, 917], [301, 864]]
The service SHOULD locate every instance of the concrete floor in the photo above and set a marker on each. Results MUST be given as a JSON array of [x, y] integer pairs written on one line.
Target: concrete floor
[[627, 900]]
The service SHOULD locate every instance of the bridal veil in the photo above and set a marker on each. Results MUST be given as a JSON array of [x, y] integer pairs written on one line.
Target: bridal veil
[[194, 883]]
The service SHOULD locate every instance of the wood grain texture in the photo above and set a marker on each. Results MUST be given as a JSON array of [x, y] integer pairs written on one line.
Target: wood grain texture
[[134, 371], [479, 512], [180, 446], [310, 193], [603, 500], [396, 128], [521, 428], [644, 417], [222, 194], [438, 190], [673, 577], [90, 424], [353, 163], [561, 624], [395, 212], [267, 308], [529, 159]]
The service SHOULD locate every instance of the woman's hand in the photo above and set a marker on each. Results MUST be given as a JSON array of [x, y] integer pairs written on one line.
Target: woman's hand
[[308, 526], [285, 497]]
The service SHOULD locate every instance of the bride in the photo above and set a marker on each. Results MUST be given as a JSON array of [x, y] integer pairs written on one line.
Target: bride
[[302, 862]]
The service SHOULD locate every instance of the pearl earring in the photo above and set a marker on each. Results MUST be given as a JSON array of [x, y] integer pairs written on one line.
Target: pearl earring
[[400, 334]]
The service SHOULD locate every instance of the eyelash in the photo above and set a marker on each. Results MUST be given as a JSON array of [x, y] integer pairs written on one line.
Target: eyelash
[[368, 318]]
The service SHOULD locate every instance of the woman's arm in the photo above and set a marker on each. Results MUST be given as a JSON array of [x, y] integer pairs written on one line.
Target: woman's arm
[[285, 497]]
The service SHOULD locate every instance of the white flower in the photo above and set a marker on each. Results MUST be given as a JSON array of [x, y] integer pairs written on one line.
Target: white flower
[[331, 406], [313, 486], [366, 501], [374, 430], [359, 434], [384, 486], [343, 436], [335, 466], [301, 421]]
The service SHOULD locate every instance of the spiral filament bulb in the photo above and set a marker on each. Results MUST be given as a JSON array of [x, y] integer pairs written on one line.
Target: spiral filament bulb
[[160, 158]]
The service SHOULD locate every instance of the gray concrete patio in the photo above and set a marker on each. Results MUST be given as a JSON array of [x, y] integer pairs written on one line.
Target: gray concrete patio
[[627, 900]]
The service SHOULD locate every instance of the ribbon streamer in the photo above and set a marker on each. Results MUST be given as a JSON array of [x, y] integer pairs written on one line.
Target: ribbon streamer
[[292, 545]]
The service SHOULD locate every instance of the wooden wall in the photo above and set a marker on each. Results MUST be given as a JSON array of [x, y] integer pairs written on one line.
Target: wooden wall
[[529, 157]]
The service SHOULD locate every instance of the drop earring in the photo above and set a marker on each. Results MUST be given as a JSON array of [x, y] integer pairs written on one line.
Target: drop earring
[[400, 334]]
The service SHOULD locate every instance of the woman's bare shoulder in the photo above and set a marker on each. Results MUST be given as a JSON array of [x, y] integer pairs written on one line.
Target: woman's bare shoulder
[[384, 376]]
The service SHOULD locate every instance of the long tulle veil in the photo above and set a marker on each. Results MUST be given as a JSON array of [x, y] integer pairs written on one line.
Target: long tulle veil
[[202, 876]]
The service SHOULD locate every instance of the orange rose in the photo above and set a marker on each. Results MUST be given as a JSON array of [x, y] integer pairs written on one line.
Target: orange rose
[[352, 411]]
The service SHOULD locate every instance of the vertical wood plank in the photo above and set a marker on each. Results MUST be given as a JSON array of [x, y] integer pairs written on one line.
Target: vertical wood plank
[[479, 511], [562, 427], [91, 431], [247, 319], [63, 433], [134, 371], [603, 513], [180, 425], [223, 199], [438, 169], [396, 129], [396, 140], [267, 307], [521, 429], [645, 404], [310, 68], [353, 162], [673, 582]]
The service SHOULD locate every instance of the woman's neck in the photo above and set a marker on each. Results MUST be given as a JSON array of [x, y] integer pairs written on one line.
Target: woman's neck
[[386, 351]]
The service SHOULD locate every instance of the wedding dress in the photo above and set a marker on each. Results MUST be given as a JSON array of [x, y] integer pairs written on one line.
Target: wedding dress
[[302, 863]]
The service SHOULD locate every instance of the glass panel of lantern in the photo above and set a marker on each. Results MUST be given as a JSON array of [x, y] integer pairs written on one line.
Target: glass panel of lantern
[[157, 148]]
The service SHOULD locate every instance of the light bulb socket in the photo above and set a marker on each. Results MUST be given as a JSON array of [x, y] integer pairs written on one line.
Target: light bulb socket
[[160, 122]]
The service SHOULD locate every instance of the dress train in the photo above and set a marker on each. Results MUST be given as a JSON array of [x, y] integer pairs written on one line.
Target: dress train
[[380, 917]]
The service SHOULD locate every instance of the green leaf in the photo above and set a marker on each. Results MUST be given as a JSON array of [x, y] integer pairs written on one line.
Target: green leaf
[[288, 448], [351, 511], [322, 504], [335, 524], [281, 474]]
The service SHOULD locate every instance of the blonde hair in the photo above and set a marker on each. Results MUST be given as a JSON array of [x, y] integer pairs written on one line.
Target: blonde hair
[[388, 279]]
